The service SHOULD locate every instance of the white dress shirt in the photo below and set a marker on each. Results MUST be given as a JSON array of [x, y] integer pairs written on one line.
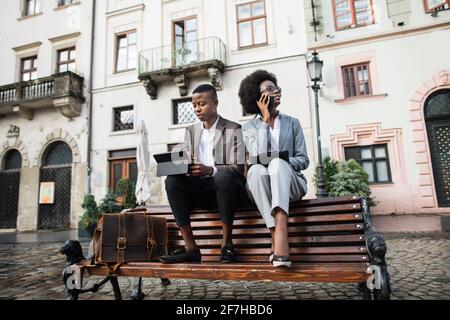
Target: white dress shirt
[[206, 147], [274, 133]]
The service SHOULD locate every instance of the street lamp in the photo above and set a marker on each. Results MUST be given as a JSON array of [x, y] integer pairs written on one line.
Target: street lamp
[[315, 66]]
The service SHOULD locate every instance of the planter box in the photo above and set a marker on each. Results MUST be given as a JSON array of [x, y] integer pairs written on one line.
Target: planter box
[[86, 233]]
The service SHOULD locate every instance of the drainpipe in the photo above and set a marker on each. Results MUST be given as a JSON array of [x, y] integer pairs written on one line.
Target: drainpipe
[[90, 104], [315, 22]]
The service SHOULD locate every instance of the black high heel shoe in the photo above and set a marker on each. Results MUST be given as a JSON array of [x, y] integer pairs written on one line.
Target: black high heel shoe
[[281, 261]]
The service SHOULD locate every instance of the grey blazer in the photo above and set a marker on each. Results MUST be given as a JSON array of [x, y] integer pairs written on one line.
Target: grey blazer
[[228, 152], [291, 139]]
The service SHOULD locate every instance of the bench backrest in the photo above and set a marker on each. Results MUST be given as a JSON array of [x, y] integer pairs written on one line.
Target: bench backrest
[[326, 230]]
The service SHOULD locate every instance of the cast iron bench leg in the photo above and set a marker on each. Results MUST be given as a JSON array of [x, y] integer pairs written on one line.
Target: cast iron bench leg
[[116, 288], [377, 250], [165, 281], [137, 292]]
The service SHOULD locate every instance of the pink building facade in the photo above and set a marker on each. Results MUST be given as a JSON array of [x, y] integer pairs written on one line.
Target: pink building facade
[[385, 101]]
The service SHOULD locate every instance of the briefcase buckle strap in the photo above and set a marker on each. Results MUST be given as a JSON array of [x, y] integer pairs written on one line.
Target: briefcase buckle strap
[[121, 243], [151, 243]]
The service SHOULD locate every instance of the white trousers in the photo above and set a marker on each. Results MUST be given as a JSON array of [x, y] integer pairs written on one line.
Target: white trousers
[[273, 186]]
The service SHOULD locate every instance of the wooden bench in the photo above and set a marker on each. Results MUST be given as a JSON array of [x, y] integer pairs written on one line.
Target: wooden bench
[[331, 240]]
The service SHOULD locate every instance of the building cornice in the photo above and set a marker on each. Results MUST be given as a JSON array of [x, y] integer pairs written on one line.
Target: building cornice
[[65, 37], [409, 31], [27, 46], [138, 7]]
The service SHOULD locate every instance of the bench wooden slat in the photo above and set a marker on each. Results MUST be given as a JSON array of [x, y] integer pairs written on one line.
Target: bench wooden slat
[[295, 250], [330, 272], [328, 201], [264, 232], [197, 215], [297, 258], [292, 220], [264, 241]]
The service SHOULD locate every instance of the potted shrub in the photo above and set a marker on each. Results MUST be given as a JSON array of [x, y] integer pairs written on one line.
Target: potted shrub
[[109, 205], [89, 219], [346, 178], [126, 190]]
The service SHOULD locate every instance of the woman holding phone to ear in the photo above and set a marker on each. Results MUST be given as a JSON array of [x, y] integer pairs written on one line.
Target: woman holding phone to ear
[[273, 185]]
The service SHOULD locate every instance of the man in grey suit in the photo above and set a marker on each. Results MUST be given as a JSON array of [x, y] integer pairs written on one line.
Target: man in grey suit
[[275, 184], [215, 178]]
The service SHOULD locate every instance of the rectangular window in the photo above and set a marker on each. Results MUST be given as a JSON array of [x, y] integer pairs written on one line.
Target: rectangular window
[[374, 160], [122, 165], [183, 111], [436, 5], [66, 60], [123, 118], [28, 68], [353, 13], [356, 79], [31, 7], [251, 24], [184, 40], [65, 2], [126, 51]]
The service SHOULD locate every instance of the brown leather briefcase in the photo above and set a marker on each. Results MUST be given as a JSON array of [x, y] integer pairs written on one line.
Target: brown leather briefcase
[[132, 235]]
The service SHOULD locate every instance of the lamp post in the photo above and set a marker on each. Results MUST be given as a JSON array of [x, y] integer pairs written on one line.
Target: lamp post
[[315, 72]]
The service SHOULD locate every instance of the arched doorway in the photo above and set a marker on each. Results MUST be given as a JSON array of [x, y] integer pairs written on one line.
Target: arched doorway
[[437, 118], [9, 189], [57, 170]]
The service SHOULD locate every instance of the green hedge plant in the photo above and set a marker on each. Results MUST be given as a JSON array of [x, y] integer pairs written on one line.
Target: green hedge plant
[[346, 178]]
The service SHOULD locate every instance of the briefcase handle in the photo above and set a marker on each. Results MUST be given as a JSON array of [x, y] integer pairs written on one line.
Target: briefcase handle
[[142, 210]]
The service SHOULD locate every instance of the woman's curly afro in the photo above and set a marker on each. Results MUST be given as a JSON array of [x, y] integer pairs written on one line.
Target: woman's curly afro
[[249, 90]]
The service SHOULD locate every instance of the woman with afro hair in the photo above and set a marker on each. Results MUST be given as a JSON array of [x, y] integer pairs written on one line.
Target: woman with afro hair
[[274, 184]]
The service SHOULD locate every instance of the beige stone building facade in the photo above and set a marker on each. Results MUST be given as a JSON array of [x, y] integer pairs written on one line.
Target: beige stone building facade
[[45, 61]]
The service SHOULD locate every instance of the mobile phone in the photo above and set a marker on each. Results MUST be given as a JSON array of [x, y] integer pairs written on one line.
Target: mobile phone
[[271, 101]]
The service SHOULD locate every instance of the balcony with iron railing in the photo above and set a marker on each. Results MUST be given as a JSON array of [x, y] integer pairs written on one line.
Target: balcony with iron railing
[[62, 90], [180, 62]]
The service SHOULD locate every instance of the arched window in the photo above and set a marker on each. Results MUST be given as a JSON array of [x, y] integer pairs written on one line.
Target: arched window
[[437, 118], [58, 154], [438, 105], [13, 161]]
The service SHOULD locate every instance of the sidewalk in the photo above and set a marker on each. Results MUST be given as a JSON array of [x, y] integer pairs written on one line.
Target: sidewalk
[[31, 266]]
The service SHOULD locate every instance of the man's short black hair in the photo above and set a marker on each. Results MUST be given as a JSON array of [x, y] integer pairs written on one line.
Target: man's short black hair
[[206, 88], [249, 91]]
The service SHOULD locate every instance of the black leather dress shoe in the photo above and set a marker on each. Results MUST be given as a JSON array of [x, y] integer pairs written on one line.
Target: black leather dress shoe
[[228, 254], [181, 255]]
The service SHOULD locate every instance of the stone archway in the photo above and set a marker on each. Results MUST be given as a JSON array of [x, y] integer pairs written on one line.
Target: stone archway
[[423, 161], [20, 146], [10, 169], [37, 161], [57, 135]]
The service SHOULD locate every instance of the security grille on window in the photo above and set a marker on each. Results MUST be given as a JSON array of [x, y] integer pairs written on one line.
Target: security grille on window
[[251, 22], [356, 80], [374, 160], [66, 60], [353, 13], [13, 161], [183, 111], [123, 119], [436, 5]]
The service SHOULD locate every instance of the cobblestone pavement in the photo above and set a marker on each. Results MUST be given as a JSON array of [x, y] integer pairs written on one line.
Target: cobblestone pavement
[[418, 265]]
